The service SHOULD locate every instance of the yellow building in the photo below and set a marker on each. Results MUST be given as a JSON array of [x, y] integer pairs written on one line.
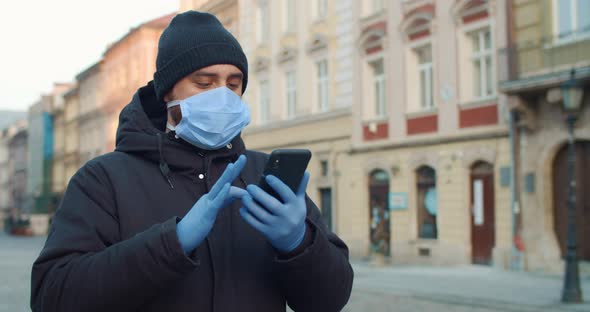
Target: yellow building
[[92, 118], [58, 173], [71, 156], [550, 46]]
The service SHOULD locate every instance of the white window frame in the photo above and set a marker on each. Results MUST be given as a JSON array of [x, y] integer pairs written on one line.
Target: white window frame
[[576, 33], [380, 100], [322, 85], [264, 100], [291, 93], [481, 56], [263, 22], [426, 91], [289, 16]]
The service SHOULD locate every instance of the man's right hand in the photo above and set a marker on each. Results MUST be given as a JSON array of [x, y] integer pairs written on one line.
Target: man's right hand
[[197, 223]]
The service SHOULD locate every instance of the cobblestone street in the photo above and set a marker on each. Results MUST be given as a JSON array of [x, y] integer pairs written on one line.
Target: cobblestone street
[[459, 289]]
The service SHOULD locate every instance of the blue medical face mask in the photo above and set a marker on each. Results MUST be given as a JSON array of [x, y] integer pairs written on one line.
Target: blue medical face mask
[[211, 119]]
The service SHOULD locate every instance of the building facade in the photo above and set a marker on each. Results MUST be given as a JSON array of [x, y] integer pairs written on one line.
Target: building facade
[[40, 155], [398, 102], [7, 182], [127, 65], [58, 183], [17, 170], [429, 167], [550, 45], [58, 175], [300, 88], [71, 156], [92, 117]]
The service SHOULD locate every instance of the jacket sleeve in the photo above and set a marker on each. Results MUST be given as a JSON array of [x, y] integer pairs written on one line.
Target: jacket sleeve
[[84, 265], [320, 277]]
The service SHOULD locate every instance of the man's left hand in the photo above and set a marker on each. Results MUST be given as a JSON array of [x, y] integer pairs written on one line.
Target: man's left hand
[[283, 223]]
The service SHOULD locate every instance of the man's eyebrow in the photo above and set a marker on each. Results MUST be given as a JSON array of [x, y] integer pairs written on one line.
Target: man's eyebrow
[[236, 75], [212, 74]]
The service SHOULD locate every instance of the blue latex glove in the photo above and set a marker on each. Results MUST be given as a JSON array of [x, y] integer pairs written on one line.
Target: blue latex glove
[[282, 223], [197, 223]]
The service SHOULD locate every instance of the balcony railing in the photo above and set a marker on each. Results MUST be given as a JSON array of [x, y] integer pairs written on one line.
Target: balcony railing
[[543, 57]]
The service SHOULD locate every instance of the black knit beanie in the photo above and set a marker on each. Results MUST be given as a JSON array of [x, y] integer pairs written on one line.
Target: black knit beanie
[[194, 40]]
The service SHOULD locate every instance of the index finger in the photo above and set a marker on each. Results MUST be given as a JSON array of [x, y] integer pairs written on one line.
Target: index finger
[[232, 171]]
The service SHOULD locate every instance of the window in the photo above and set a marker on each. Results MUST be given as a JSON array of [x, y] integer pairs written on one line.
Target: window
[[264, 101], [289, 16], [324, 168], [483, 78], [572, 17], [262, 19], [379, 87], [320, 9], [322, 85], [427, 202], [291, 88], [424, 57], [379, 221]]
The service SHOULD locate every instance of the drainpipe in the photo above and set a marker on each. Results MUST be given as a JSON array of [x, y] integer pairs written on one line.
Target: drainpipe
[[516, 259]]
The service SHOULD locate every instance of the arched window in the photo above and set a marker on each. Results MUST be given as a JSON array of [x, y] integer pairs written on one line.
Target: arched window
[[427, 202], [379, 212]]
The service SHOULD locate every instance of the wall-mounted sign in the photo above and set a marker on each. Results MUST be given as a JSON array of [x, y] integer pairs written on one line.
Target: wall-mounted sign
[[398, 201]]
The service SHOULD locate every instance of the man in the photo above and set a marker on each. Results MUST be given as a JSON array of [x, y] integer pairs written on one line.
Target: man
[[172, 220]]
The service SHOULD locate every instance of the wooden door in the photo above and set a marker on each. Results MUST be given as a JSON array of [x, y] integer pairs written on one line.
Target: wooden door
[[482, 213]]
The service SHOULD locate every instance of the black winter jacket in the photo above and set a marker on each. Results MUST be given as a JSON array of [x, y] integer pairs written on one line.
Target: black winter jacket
[[113, 246]]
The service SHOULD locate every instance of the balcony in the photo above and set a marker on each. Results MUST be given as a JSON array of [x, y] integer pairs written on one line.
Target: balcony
[[543, 63]]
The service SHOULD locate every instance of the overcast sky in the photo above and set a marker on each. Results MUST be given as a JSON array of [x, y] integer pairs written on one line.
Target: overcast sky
[[44, 41]]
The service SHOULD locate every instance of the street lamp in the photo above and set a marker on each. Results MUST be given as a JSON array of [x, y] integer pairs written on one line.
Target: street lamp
[[572, 101]]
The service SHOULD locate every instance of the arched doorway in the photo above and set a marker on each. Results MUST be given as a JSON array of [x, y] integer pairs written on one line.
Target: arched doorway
[[561, 193], [380, 233], [427, 202], [482, 213]]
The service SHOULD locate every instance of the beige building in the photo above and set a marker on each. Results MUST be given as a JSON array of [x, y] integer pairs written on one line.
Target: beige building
[[127, 65], [551, 40], [92, 118], [300, 89], [71, 155], [428, 173]]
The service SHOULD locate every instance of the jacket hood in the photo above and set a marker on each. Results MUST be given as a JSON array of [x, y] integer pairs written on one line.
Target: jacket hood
[[141, 132]]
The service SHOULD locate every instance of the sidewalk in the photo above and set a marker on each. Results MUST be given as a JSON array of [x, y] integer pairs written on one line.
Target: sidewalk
[[470, 286]]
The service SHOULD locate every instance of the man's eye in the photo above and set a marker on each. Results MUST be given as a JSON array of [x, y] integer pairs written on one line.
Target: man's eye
[[233, 86]]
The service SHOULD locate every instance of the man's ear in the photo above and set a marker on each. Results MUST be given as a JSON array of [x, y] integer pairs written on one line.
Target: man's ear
[[168, 97]]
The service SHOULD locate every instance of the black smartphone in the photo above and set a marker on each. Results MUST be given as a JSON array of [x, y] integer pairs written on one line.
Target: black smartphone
[[288, 165]]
